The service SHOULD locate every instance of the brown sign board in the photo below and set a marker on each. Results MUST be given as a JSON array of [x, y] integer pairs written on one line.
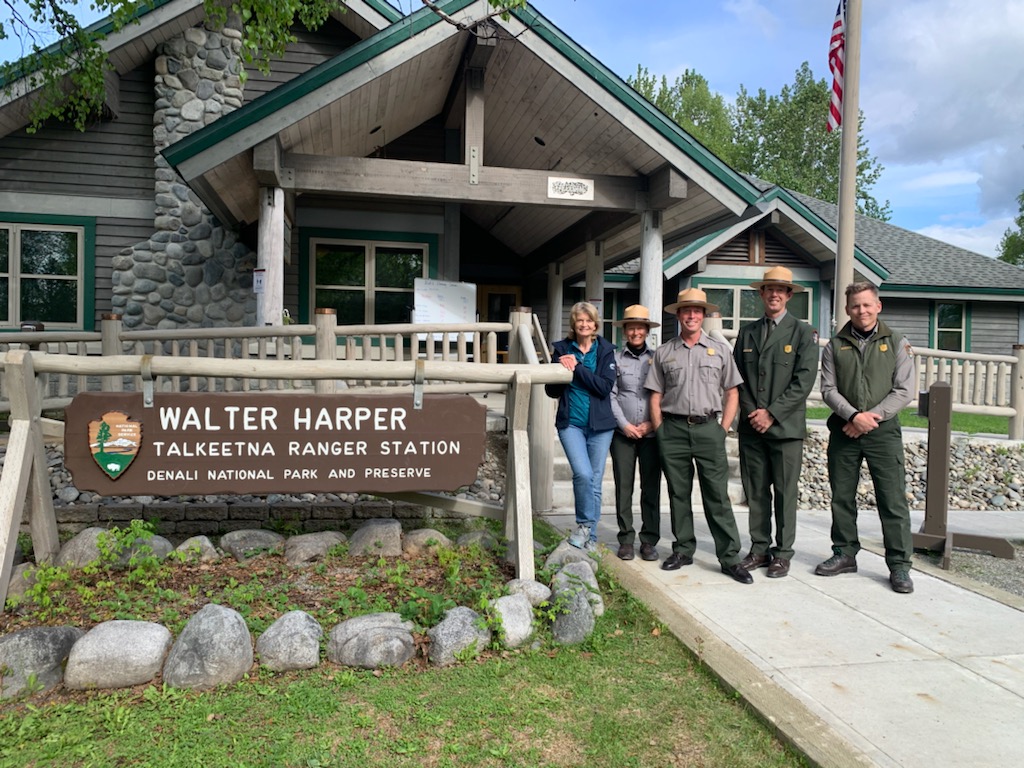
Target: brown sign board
[[260, 443]]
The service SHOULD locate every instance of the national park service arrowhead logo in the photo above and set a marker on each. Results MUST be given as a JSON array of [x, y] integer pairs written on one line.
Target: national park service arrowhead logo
[[114, 442]]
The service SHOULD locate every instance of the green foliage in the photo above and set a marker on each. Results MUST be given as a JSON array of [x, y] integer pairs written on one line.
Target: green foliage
[[970, 423], [1011, 247]]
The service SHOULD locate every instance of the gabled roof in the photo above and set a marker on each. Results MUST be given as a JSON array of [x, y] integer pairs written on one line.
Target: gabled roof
[[550, 107]]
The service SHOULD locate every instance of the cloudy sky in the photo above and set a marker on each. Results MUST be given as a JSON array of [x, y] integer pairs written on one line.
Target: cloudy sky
[[942, 86]]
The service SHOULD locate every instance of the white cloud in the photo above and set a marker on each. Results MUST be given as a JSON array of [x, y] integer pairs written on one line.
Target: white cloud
[[943, 180], [983, 239]]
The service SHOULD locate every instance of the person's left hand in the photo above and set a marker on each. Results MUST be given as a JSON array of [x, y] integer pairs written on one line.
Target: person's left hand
[[568, 361], [761, 420]]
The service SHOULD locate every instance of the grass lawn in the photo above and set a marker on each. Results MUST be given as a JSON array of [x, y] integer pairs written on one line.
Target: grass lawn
[[970, 423], [632, 695]]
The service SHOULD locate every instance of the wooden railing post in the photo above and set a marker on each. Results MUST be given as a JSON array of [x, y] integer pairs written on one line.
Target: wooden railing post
[[110, 344], [519, 481], [326, 320], [1017, 394]]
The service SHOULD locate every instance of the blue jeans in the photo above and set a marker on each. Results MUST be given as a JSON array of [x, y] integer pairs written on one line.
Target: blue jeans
[[587, 452]]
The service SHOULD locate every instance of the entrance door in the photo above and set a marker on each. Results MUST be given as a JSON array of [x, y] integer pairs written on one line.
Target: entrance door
[[494, 304]]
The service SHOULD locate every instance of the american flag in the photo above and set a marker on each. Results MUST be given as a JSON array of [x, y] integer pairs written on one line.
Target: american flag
[[836, 63]]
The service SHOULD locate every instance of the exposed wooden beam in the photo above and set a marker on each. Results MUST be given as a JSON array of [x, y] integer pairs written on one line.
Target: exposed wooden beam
[[666, 187], [375, 177], [266, 162]]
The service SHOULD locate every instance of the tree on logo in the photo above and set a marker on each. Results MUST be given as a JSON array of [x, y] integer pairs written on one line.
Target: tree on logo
[[102, 436]]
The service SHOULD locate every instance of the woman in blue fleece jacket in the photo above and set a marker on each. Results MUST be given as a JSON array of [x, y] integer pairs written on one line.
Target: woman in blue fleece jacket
[[584, 419]]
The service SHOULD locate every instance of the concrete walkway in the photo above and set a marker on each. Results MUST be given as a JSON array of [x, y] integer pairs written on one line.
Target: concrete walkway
[[848, 671]]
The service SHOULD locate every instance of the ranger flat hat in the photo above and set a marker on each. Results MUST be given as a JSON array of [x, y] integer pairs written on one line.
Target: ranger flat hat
[[778, 276], [691, 297], [637, 313]]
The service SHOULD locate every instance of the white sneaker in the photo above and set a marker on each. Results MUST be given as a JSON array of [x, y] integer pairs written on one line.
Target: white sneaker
[[590, 547], [580, 537]]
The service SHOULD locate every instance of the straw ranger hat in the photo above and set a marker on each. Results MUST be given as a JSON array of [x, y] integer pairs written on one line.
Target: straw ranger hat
[[691, 297], [637, 313], [778, 276]]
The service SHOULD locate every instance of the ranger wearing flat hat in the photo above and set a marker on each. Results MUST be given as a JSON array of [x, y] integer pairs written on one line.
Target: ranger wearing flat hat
[[634, 441], [777, 355], [693, 380]]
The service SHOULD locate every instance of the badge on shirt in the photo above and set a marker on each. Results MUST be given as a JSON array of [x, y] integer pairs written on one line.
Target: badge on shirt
[[788, 348], [883, 347], [711, 351]]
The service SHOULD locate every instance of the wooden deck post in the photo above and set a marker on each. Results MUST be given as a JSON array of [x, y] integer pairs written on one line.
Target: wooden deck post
[[24, 481], [1017, 394], [326, 320], [652, 254], [518, 507], [110, 344]]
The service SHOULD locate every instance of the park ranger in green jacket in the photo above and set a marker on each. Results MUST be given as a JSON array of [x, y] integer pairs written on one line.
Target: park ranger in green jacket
[[867, 377], [777, 355]]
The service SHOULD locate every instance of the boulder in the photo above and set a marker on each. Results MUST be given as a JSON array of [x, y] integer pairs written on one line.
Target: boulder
[[377, 537], [307, 547], [291, 642], [516, 616], [213, 649], [199, 548], [117, 654], [461, 631], [535, 592], [250, 542], [416, 543], [372, 641], [578, 576], [32, 660]]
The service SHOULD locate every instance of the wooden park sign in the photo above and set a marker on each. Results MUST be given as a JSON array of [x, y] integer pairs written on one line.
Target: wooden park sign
[[197, 444]]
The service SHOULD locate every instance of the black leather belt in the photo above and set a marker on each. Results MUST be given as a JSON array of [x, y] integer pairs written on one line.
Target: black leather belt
[[688, 419]]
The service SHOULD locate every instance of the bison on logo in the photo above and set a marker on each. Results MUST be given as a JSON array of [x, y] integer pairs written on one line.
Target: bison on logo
[[114, 441]]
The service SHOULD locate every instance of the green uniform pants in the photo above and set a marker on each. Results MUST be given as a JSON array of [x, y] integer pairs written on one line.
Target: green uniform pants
[[625, 455], [682, 446], [883, 451], [771, 474]]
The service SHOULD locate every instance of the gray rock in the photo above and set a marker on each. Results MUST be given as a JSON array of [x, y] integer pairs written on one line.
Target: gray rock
[[249, 542], [516, 616], [308, 547], [422, 540], [579, 577], [291, 642], [372, 641], [377, 537], [566, 553], [574, 621], [32, 660], [213, 649], [483, 538], [198, 548], [154, 545], [23, 576], [117, 654], [460, 631], [535, 592], [80, 550]]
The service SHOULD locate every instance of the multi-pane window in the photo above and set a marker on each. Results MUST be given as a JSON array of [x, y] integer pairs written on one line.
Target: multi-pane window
[[950, 324], [41, 274], [740, 305], [367, 283]]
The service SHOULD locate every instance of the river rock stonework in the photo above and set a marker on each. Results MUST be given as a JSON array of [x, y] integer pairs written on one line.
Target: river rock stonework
[[192, 271]]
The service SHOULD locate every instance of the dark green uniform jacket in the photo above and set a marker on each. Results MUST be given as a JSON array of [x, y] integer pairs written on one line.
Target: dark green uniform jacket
[[778, 377], [866, 378]]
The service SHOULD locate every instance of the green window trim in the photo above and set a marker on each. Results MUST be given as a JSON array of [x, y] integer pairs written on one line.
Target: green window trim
[[87, 268], [812, 288], [964, 330]]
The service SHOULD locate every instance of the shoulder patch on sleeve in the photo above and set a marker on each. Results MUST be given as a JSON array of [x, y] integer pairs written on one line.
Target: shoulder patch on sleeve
[[907, 348]]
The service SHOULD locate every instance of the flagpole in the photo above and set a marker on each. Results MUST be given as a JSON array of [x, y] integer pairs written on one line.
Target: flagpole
[[848, 163]]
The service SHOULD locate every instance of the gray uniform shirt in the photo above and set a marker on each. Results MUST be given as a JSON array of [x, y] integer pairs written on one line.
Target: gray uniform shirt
[[630, 399], [691, 380]]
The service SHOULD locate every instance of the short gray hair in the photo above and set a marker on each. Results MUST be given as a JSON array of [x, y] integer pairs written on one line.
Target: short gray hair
[[583, 308]]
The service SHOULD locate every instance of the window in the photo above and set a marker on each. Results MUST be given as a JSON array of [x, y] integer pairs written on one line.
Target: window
[[367, 283], [950, 322], [740, 305], [41, 274]]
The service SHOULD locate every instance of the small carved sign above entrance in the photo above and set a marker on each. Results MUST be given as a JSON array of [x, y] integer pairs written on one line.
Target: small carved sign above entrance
[[197, 444]]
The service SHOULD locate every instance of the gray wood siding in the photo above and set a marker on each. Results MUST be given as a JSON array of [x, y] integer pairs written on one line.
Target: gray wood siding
[[908, 316], [993, 328], [112, 158], [112, 236], [311, 49]]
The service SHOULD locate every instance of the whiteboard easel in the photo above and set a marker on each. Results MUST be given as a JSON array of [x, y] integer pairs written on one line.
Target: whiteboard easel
[[440, 302]]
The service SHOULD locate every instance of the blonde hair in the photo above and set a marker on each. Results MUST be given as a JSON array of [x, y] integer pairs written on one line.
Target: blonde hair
[[583, 308]]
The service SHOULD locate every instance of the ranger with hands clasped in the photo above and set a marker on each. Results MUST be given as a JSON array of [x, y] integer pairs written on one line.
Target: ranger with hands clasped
[[777, 356], [867, 377]]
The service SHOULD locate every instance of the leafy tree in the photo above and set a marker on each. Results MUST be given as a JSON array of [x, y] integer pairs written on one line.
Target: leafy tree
[[782, 139], [103, 436], [70, 72], [690, 103], [1011, 247]]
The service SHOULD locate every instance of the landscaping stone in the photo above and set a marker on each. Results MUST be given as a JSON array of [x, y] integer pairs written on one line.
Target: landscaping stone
[[377, 537], [291, 642], [415, 543], [213, 649], [534, 591], [567, 553], [574, 621], [579, 576], [516, 616], [459, 632], [484, 538], [139, 647], [80, 550], [372, 641], [250, 542], [32, 660], [199, 548], [308, 547]]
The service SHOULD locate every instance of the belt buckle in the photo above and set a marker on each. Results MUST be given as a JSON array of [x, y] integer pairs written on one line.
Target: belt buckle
[[691, 420]]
